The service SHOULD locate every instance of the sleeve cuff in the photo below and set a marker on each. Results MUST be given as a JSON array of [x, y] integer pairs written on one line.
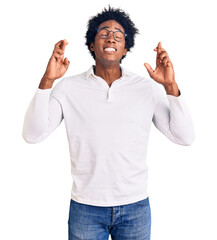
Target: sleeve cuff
[[43, 91], [175, 100], [168, 95]]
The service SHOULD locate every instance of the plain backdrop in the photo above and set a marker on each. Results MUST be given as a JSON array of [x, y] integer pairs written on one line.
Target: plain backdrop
[[35, 179]]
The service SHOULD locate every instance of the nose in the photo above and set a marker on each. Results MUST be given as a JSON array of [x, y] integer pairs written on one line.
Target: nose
[[111, 38]]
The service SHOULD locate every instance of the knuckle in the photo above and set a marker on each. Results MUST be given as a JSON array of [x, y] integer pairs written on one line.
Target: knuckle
[[57, 45]]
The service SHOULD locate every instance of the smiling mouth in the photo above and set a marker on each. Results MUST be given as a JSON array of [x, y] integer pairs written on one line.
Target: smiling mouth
[[109, 49]]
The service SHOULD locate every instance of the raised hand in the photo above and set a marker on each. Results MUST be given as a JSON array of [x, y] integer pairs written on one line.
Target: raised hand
[[57, 65], [164, 72]]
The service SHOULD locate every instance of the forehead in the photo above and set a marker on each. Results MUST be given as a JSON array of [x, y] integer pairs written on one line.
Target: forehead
[[112, 24]]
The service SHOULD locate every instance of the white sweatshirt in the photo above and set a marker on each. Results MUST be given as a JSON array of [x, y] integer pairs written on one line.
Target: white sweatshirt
[[108, 131]]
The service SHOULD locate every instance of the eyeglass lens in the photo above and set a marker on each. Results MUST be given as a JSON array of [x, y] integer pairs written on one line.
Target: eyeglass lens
[[104, 33]]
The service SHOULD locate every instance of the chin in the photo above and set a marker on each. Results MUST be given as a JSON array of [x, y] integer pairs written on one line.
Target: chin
[[111, 60]]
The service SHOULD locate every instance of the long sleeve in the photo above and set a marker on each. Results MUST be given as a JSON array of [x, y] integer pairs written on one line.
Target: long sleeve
[[172, 118], [43, 116]]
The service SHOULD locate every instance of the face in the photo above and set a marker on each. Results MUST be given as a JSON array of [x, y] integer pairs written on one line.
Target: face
[[109, 49]]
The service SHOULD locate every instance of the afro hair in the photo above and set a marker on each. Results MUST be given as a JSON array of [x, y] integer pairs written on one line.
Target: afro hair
[[111, 14]]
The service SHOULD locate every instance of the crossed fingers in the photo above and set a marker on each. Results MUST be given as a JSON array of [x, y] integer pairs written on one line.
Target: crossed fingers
[[59, 49], [162, 56]]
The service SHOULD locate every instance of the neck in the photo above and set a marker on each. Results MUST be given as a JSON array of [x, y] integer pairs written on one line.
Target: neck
[[108, 72]]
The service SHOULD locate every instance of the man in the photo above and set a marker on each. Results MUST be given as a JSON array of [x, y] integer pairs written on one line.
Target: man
[[108, 113]]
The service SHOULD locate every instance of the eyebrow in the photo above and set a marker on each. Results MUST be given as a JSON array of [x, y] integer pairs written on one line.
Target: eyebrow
[[115, 28]]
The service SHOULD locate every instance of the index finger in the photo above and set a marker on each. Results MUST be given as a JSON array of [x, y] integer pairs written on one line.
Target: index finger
[[159, 48], [63, 44]]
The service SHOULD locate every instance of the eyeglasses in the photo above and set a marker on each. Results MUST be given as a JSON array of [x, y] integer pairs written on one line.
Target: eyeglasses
[[104, 33]]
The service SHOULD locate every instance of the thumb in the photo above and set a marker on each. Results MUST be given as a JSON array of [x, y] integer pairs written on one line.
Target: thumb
[[66, 63], [149, 69]]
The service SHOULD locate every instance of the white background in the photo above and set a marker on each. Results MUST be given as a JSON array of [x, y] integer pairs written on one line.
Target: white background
[[35, 179]]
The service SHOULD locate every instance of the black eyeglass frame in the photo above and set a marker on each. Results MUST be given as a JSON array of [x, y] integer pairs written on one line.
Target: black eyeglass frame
[[125, 35]]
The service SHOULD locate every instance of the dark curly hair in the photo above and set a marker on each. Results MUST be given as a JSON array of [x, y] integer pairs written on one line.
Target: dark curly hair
[[111, 14]]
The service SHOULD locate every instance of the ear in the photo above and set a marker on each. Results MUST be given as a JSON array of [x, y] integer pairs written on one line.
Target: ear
[[92, 47], [125, 51]]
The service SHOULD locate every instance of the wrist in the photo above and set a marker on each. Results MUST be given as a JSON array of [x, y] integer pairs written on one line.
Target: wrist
[[46, 83], [172, 89]]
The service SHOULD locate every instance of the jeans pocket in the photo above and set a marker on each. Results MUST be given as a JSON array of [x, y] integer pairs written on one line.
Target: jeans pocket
[[144, 202]]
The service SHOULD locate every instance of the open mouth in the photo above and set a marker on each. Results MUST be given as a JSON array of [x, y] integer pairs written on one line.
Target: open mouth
[[110, 49]]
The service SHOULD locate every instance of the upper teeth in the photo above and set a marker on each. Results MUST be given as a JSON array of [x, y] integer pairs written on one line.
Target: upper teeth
[[110, 49]]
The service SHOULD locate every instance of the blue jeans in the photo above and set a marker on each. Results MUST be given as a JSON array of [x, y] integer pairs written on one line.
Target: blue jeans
[[124, 222]]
